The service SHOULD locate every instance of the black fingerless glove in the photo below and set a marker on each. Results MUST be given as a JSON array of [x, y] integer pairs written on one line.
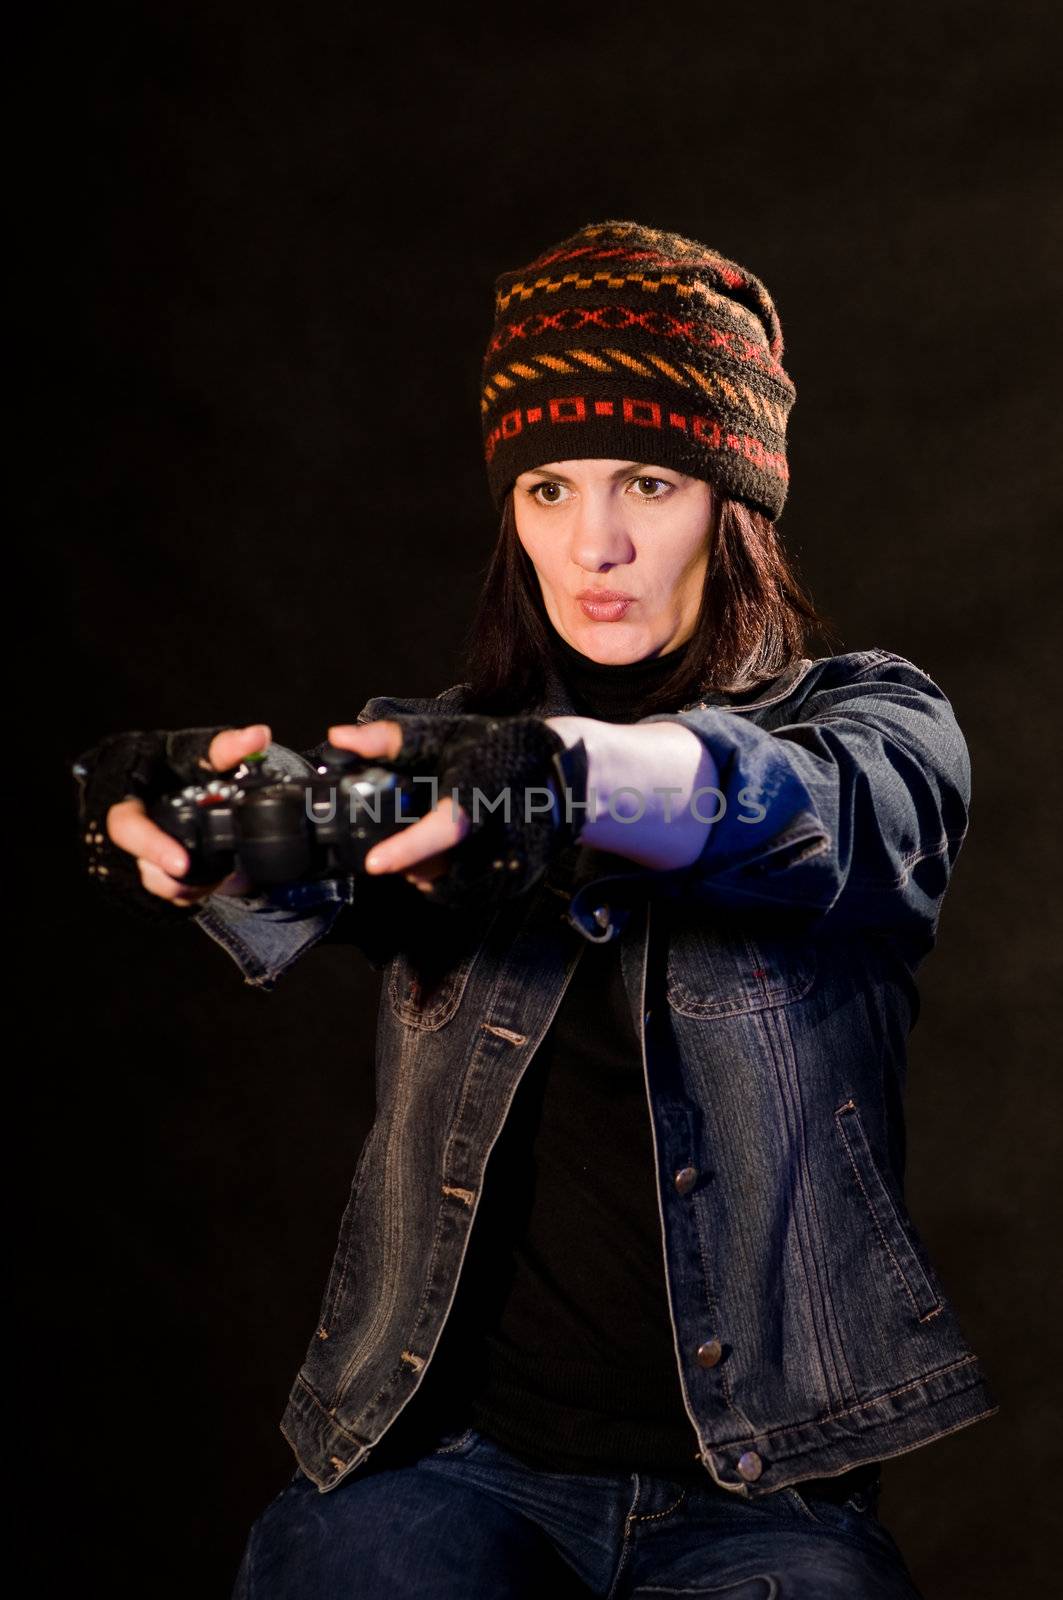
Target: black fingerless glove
[[143, 766], [507, 759]]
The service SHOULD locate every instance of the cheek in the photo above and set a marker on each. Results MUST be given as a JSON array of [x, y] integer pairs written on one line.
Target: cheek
[[542, 554], [692, 551], [673, 558], [677, 565]]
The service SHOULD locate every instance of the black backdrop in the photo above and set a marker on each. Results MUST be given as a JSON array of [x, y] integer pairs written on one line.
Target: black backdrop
[[267, 241]]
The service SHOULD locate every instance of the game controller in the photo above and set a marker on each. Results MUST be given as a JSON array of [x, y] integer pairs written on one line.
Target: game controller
[[280, 829]]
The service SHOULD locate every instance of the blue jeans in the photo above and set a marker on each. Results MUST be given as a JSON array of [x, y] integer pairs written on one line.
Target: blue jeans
[[466, 1518]]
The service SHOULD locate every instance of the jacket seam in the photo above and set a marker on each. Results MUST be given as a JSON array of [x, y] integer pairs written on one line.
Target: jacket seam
[[331, 1419], [830, 1342], [253, 969], [853, 881], [862, 1405], [907, 863]]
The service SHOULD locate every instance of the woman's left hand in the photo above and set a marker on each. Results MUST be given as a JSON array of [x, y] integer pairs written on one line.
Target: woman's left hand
[[665, 764], [501, 822], [422, 845]]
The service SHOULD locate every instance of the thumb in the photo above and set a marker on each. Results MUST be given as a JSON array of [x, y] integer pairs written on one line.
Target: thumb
[[381, 738], [236, 744]]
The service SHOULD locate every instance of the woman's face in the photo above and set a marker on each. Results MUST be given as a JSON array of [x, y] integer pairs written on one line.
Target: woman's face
[[620, 549]]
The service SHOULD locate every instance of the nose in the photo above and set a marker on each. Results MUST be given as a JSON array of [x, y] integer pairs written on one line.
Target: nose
[[599, 538]]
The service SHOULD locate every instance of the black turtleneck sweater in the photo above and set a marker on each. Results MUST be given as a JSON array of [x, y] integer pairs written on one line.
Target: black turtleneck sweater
[[559, 1343], [580, 1368], [611, 693]]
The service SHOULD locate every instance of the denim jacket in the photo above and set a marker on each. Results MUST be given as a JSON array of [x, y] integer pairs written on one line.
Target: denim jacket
[[772, 987]]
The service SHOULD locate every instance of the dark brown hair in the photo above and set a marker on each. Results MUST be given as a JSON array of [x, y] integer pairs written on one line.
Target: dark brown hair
[[754, 619]]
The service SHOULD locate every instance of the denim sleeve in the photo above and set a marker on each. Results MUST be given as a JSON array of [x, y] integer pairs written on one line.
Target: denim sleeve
[[849, 816]]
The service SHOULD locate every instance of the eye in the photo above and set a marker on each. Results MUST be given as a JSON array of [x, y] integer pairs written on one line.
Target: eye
[[551, 500], [549, 493]]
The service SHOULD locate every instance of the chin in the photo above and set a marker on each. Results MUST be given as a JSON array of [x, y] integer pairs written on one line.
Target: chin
[[612, 644]]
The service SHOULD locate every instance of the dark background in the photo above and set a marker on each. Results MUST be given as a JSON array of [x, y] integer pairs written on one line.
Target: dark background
[[263, 244]]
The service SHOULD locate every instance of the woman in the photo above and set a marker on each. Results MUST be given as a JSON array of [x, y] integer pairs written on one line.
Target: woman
[[626, 1297]]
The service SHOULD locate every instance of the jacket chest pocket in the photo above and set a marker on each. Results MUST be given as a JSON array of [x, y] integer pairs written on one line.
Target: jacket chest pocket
[[425, 988], [717, 973]]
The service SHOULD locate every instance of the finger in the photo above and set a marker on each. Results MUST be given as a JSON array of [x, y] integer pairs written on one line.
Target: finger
[[382, 738], [158, 882], [236, 883], [439, 830], [228, 749], [188, 894], [424, 874], [131, 829], [430, 868]]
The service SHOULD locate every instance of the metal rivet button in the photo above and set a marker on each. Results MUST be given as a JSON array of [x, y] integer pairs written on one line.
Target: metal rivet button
[[601, 916], [708, 1355], [685, 1179], [750, 1466]]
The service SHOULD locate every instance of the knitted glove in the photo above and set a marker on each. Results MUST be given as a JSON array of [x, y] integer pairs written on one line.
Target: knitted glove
[[508, 848], [141, 766]]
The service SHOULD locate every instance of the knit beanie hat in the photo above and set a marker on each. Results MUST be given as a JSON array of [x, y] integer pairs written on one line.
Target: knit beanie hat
[[629, 343]]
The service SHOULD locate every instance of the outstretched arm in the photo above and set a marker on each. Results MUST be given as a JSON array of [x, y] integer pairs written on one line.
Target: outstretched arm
[[852, 813], [651, 790], [650, 796]]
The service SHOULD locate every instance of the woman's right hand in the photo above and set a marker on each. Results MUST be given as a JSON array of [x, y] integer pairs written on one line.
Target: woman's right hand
[[160, 858]]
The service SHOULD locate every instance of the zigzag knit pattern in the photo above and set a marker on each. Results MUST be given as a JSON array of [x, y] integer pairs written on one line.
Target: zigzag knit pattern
[[627, 342]]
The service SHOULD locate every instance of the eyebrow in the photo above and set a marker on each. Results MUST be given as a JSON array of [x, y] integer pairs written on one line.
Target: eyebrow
[[630, 466]]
